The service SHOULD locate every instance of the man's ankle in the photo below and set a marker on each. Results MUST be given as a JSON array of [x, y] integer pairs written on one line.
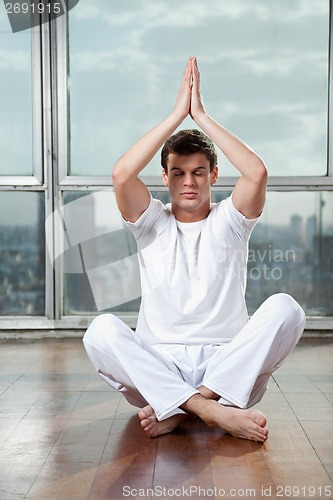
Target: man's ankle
[[207, 393], [196, 404]]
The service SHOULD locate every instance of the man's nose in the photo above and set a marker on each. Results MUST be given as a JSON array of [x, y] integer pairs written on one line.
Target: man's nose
[[188, 180]]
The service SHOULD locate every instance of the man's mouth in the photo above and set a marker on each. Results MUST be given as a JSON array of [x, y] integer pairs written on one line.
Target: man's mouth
[[189, 194]]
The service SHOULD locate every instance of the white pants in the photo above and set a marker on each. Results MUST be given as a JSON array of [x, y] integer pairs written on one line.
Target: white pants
[[165, 376]]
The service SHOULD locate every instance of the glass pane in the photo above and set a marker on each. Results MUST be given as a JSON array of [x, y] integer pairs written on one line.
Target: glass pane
[[22, 250], [16, 103], [291, 250], [264, 74], [100, 261]]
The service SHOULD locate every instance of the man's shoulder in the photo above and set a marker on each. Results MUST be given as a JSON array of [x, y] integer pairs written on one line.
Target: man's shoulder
[[156, 216], [218, 206], [154, 208]]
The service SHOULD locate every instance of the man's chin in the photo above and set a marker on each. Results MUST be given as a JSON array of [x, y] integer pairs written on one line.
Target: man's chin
[[189, 205]]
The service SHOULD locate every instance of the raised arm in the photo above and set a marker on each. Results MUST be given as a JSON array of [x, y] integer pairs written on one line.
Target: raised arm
[[250, 190], [131, 193]]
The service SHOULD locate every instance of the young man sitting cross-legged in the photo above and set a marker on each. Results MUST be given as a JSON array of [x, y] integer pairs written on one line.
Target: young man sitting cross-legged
[[194, 351]]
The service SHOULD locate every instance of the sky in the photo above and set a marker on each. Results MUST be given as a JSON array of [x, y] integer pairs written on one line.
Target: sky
[[264, 76], [263, 66]]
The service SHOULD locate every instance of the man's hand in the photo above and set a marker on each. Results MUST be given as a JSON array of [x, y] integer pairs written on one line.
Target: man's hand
[[183, 101], [196, 106]]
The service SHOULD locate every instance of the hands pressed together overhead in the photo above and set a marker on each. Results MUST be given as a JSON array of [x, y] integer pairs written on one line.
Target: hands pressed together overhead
[[249, 192], [189, 99]]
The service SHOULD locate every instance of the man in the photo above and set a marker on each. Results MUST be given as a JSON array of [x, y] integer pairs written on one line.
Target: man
[[194, 351]]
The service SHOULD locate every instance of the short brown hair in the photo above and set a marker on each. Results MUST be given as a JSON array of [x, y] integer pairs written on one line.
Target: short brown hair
[[186, 142]]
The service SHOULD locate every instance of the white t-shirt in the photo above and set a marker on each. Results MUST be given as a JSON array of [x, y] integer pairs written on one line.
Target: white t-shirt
[[193, 275]]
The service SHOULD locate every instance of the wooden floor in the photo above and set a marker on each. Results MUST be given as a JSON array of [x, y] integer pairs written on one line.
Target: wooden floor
[[65, 435]]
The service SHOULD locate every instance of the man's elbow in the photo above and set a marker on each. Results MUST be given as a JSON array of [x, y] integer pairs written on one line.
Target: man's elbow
[[260, 173], [119, 173], [115, 175]]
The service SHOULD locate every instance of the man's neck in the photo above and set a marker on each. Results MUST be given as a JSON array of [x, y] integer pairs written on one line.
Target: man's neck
[[188, 216]]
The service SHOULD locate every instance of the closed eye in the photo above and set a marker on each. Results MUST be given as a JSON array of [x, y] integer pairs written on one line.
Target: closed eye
[[198, 173]]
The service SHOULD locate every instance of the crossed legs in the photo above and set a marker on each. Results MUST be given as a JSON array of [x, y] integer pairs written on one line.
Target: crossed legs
[[246, 424], [235, 379]]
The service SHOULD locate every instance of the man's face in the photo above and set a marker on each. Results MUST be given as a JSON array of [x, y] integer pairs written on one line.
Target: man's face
[[189, 180]]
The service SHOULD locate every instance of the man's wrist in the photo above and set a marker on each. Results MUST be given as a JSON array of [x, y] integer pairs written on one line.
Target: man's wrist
[[199, 117], [178, 117]]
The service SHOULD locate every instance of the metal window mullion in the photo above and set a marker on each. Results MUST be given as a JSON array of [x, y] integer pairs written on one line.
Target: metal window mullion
[[61, 79], [20, 183], [274, 183], [330, 98], [46, 100], [37, 127], [59, 57], [306, 182]]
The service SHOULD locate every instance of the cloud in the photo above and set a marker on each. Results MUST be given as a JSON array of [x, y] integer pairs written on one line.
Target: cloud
[[192, 12], [239, 32], [107, 60], [85, 11], [15, 60]]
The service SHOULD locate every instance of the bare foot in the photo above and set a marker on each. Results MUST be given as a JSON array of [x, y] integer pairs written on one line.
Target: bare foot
[[153, 427], [245, 424]]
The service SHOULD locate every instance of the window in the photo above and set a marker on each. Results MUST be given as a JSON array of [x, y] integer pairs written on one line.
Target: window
[[264, 76], [22, 254], [100, 262], [16, 102], [22, 209], [291, 252], [79, 90]]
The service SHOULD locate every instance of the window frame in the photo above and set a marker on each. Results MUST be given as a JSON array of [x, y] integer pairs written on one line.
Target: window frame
[[281, 183], [50, 65]]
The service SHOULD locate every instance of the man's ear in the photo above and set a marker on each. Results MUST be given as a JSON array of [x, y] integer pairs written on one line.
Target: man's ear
[[165, 177], [214, 175]]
